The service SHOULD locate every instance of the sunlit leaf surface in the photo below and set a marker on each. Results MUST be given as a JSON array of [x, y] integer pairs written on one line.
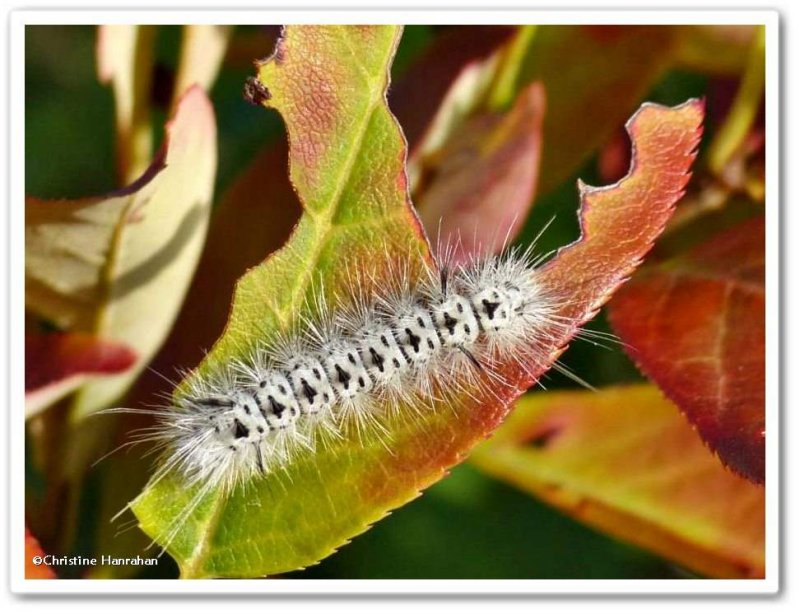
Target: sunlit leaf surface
[[118, 266], [346, 161]]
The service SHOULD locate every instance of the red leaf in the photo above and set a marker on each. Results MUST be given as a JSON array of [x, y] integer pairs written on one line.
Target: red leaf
[[56, 363], [32, 570], [696, 327]]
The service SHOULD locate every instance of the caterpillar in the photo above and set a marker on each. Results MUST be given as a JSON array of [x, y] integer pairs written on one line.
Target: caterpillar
[[403, 348]]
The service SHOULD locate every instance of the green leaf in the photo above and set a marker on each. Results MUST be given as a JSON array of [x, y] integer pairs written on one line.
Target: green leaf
[[346, 161]]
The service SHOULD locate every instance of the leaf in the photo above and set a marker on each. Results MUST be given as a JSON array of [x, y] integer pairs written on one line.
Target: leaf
[[419, 94], [593, 76], [59, 363], [625, 461], [346, 161], [261, 191], [695, 326], [620, 222], [33, 549], [482, 188], [202, 50], [125, 60], [118, 266]]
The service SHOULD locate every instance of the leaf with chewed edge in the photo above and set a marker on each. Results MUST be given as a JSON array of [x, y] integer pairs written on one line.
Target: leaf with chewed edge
[[347, 158], [620, 222], [625, 461], [696, 326]]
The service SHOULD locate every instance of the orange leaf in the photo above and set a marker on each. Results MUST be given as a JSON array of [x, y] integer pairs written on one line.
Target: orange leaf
[[696, 327], [620, 222], [625, 461]]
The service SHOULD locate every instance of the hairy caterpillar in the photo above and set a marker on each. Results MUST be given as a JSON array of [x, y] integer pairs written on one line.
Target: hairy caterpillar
[[415, 342]]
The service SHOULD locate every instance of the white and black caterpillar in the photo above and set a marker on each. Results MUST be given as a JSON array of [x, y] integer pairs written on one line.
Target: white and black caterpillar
[[415, 344]]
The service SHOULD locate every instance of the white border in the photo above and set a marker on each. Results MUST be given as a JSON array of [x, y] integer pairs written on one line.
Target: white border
[[19, 584]]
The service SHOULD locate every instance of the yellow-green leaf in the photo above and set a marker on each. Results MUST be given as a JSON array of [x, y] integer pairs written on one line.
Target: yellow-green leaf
[[626, 461], [347, 163]]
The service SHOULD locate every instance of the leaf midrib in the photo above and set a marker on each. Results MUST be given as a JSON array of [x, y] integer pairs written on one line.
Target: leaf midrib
[[324, 221]]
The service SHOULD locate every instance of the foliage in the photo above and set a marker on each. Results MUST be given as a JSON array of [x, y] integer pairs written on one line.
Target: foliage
[[511, 121]]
